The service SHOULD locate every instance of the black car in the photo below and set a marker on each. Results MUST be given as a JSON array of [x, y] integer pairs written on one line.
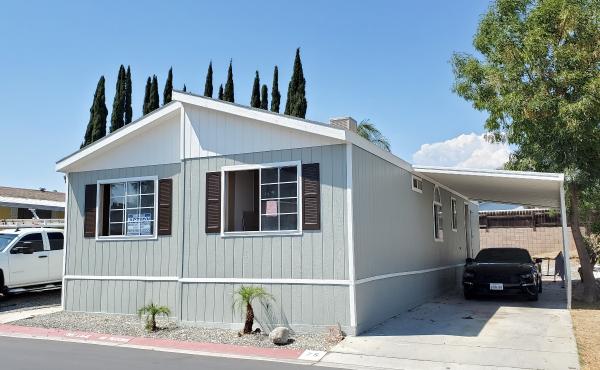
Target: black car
[[501, 271]]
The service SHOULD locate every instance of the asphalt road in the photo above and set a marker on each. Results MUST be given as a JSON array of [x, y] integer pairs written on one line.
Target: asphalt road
[[35, 354]]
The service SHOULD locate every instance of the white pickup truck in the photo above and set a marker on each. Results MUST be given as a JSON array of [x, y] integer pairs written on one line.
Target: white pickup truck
[[30, 258]]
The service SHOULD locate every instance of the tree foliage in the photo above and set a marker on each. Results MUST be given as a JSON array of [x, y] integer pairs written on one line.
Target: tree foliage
[[168, 91], [128, 109], [539, 80], [147, 91], [208, 85], [244, 297], [96, 128], [264, 97], [154, 101], [228, 93], [117, 118], [368, 131], [220, 94], [275, 94], [296, 104], [255, 98]]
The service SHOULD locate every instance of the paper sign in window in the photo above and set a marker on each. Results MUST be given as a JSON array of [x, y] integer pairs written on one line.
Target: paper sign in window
[[271, 207]]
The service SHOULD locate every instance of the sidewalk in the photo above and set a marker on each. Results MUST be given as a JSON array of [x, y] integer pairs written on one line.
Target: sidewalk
[[197, 348]]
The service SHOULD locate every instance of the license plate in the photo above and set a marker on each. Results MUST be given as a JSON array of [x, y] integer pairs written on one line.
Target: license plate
[[496, 286]]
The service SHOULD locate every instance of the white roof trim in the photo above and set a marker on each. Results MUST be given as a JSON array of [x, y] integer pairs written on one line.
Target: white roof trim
[[547, 176], [62, 164], [31, 202]]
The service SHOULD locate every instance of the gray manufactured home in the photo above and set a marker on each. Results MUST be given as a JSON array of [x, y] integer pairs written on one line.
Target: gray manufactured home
[[201, 196]]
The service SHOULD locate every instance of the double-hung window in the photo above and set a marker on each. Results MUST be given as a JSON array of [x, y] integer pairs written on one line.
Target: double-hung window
[[127, 208], [261, 198], [438, 224]]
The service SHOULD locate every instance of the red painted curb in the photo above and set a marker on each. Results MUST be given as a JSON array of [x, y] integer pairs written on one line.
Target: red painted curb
[[230, 349]]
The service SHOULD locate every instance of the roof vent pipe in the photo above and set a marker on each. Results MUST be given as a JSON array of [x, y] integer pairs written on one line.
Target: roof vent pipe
[[347, 123]]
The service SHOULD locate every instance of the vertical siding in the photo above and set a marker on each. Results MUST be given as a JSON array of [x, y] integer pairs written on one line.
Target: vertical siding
[[86, 256], [313, 255]]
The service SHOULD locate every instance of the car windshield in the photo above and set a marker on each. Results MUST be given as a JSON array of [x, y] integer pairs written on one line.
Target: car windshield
[[5, 240], [503, 255]]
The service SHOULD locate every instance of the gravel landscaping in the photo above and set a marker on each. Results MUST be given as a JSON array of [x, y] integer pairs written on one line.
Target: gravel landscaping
[[130, 325]]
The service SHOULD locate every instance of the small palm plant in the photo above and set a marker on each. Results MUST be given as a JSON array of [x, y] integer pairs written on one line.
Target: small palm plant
[[151, 311], [244, 298], [368, 131]]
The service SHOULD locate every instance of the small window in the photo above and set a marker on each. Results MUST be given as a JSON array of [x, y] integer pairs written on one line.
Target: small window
[[438, 220], [262, 199], [454, 214], [28, 244], [56, 241], [417, 184], [127, 208]]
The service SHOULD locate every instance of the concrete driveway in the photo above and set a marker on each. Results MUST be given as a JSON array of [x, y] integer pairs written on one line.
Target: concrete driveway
[[452, 333]]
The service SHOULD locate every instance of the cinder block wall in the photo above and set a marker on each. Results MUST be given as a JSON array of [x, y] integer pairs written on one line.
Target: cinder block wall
[[543, 242]]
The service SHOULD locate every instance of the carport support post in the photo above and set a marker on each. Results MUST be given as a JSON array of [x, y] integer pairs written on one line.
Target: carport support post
[[565, 238]]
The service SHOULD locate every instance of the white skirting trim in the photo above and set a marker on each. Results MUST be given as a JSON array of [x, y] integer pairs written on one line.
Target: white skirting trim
[[258, 281], [396, 274]]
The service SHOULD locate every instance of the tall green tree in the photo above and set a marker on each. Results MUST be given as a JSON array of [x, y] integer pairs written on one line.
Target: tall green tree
[[147, 92], [296, 97], [208, 85], [228, 93], [255, 98], [220, 95], [184, 88], [128, 110], [275, 95], [369, 131], [96, 128], [264, 97], [154, 101], [168, 91], [538, 78], [117, 118]]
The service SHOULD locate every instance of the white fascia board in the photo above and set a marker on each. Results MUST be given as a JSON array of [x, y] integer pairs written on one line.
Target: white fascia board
[[261, 115], [544, 176], [63, 164], [24, 203]]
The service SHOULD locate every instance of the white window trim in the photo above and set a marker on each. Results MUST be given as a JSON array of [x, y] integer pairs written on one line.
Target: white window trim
[[412, 183], [126, 237], [246, 167], [436, 203], [454, 213]]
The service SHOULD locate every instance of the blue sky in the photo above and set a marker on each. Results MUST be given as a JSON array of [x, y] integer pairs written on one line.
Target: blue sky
[[385, 61]]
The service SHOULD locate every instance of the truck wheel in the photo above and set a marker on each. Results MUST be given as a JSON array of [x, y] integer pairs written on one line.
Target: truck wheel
[[534, 296]]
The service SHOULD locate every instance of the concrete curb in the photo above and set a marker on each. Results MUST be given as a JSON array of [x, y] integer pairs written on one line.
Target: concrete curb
[[165, 345]]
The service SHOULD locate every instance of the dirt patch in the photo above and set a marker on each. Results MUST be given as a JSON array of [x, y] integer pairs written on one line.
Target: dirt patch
[[586, 322]]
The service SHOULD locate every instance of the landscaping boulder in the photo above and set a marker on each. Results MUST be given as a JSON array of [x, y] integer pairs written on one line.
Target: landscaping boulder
[[280, 335]]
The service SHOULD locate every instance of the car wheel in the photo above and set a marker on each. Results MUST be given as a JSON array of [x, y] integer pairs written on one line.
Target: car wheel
[[534, 296], [540, 286], [468, 295]]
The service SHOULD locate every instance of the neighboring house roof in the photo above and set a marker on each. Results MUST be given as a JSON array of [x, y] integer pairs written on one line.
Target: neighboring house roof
[[30, 198]]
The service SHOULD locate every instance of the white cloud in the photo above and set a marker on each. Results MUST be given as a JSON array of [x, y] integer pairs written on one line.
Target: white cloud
[[464, 151]]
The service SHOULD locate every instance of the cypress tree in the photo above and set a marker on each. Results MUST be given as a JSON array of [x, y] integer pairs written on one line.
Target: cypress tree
[[275, 95], [184, 88], [228, 94], [118, 108], [208, 85], [296, 99], [96, 127], [154, 101], [264, 97], [220, 92], [128, 110], [146, 107], [255, 98], [168, 91]]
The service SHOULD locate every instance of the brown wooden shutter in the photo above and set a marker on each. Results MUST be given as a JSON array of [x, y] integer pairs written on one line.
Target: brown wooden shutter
[[89, 212], [213, 202], [311, 197], [165, 206]]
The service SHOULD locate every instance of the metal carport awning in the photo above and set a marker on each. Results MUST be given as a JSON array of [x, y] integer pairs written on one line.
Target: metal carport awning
[[536, 189]]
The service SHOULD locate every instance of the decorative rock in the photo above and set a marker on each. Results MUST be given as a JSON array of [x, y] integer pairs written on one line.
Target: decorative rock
[[280, 335]]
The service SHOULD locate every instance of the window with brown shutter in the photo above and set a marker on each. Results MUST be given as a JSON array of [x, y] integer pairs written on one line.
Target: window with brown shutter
[[311, 197], [165, 196], [213, 202], [89, 213]]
